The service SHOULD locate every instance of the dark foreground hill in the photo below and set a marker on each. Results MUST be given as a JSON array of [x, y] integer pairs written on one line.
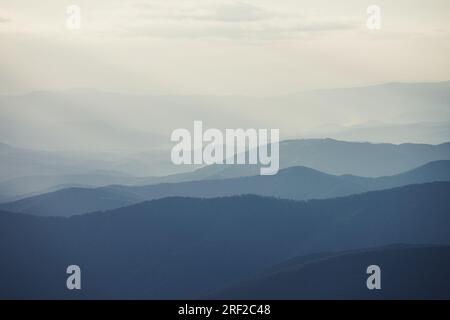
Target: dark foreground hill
[[296, 183], [406, 273], [189, 248]]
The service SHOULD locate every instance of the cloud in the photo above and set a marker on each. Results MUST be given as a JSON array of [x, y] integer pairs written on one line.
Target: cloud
[[254, 31], [220, 12], [234, 12], [228, 20], [218, 19], [4, 20], [326, 26]]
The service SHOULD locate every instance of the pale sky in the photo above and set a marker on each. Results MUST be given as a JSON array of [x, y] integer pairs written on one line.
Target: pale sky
[[253, 47]]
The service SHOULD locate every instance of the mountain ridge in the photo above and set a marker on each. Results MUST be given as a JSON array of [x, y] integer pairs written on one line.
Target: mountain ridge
[[184, 248], [310, 279], [297, 183]]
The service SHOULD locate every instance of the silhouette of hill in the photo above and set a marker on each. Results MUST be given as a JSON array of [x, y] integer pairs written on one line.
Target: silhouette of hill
[[27, 172], [433, 171], [297, 183], [189, 248], [334, 157], [407, 272], [28, 186]]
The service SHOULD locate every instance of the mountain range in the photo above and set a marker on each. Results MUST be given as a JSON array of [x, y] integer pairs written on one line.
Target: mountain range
[[25, 173], [86, 179], [99, 120], [297, 183], [342, 275], [182, 248], [338, 158]]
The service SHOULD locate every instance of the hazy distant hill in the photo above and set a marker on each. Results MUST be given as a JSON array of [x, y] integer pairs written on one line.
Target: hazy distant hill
[[341, 157], [333, 157], [23, 187], [433, 171], [16, 162], [109, 120], [187, 248], [21, 163], [298, 183], [24, 173], [91, 123], [407, 272], [378, 132]]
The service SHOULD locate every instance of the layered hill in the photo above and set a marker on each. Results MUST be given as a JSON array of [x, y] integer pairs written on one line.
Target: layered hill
[[296, 183], [177, 248]]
